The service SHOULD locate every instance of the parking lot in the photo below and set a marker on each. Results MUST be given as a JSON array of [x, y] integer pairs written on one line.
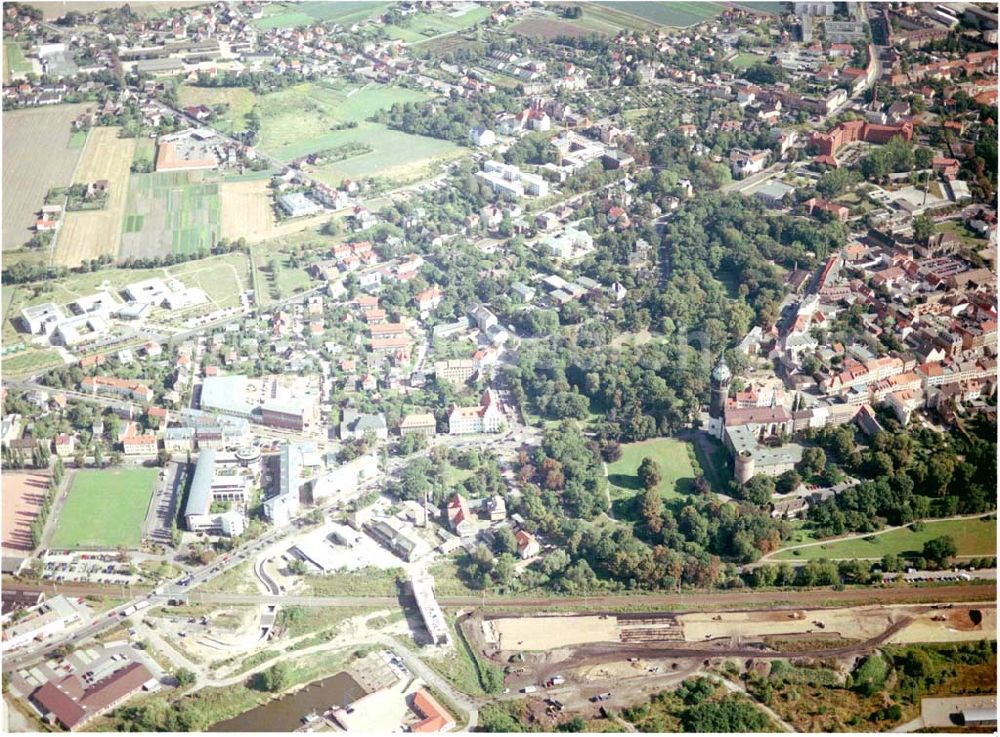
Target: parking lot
[[88, 568], [169, 487]]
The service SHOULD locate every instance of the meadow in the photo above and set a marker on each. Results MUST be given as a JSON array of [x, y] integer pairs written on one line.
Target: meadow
[[170, 212], [105, 509], [422, 26], [240, 101], [290, 15], [298, 120], [973, 537]]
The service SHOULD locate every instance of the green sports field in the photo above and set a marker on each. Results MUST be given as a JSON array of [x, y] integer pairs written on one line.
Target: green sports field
[[105, 509], [170, 212], [676, 469], [971, 536]]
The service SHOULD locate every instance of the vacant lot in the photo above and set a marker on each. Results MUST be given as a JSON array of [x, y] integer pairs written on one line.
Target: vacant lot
[[30, 170], [23, 494], [676, 470], [678, 14], [105, 509], [248, 212], [972, 537], [239, 99], [289, 15], [87, 235], [170, 212]]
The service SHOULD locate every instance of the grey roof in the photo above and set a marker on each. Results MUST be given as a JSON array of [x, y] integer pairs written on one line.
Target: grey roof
[[200, 496], [225, 394], [357, 422]]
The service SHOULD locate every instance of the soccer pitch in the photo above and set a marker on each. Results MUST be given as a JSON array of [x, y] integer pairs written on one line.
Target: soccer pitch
[[105, 509]]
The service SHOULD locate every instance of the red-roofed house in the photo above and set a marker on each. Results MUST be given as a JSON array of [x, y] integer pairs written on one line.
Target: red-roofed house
[[527, 545], [459, 518], [434, 717]]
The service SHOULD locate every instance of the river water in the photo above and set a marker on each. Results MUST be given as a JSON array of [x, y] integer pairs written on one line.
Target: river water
[[285, 714]]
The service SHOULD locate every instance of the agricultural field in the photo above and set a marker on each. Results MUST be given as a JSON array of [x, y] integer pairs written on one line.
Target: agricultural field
[[52, 10], [105, 509], [87, 235], [549, 28], [973, 537], [239, 99], [23, 495], [423, 26], [290, 15], [248, 212], [297, 121], [676, 469], [170, 212], [676, 14], [30, 170]]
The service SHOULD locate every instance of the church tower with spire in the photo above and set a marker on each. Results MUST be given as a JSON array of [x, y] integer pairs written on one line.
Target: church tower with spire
[[721, 378]]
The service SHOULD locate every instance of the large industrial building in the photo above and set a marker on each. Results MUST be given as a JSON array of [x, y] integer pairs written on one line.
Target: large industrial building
[[288, 402]]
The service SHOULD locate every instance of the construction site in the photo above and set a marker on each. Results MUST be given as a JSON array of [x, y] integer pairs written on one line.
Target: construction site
[[589, 663]]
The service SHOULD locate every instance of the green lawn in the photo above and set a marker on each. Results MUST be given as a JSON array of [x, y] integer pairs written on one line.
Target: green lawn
[[677, 471], [299, 120], [972, 537], [105, 509]]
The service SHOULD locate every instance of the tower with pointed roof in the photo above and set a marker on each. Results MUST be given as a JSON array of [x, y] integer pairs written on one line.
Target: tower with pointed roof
[[721, 378]]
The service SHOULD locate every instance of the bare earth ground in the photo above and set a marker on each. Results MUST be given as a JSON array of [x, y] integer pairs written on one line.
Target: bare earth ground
[[23, 494], [247, 213], [87, 235], [31, 167], [545, 633], [856, 623]]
